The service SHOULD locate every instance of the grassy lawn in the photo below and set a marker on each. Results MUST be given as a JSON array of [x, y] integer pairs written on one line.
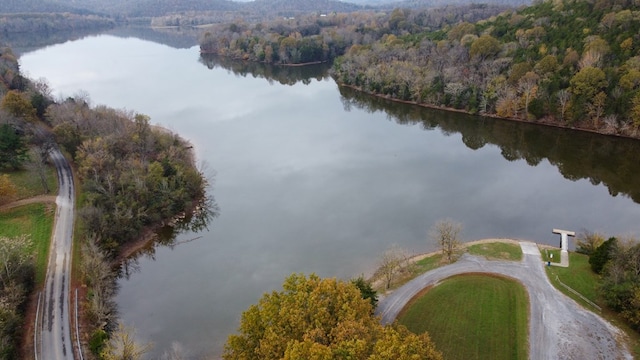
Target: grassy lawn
[[473, 316], [29, 184], [497, 251], [552, 255], [35, 220], [577, 276], [429, 263]]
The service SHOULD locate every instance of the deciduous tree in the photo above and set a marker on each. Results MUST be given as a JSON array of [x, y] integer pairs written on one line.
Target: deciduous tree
[[18, 105], [391, 262], [314, 318], [587, 242], [122, 346], [8, 189], [445, 233]]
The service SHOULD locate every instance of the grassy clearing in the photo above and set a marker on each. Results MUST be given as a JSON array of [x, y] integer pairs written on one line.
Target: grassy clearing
[[37, 221], [30, 185], [497, 251], [474, 316]]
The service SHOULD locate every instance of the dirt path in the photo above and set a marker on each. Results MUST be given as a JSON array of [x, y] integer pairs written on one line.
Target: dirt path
[[559, 328], [31, 200]]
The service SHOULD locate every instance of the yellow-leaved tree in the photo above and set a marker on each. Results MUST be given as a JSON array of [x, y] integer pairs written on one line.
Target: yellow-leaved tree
[[314, 318], [8, 189]]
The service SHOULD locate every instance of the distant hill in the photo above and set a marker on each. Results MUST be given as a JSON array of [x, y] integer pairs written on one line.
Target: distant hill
[[301, 6], [35, 6], [150, 8], [423, 4]]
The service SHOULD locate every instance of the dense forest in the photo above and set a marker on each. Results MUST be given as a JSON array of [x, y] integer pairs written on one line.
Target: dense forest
[[569, 63], [323, 37], [45, 23]]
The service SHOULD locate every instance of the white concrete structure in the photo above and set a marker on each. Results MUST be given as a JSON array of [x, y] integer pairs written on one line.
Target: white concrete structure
[[564, 245], [564, 240]]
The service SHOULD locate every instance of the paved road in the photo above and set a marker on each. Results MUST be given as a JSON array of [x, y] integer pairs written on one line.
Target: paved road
[[55, 335], [559, 328]]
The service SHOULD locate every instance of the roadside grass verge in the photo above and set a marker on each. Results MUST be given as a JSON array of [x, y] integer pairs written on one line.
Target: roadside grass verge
[[29, 184], [577, 276], [473, 316], [497, 251], [426, 264], [36, 220]]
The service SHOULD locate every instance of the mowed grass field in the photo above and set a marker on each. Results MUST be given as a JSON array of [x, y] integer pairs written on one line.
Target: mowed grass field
[[473, 316], [36, 220], [497, 251]]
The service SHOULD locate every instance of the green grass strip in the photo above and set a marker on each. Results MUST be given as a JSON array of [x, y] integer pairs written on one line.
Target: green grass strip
[[473, 316], [552, 255], [577, 276], [427, 264], [497, 251], [35, 220]]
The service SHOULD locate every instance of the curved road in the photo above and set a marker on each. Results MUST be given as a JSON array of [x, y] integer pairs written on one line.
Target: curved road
[[55, 335], [559, 328]]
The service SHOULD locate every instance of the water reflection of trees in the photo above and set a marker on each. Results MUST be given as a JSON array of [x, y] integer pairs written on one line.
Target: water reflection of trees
[[577, 155], [285, 75], [24, 42], [167, 235]]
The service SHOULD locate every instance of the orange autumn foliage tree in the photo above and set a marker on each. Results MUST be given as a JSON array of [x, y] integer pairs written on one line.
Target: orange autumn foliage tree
[[314, 318]]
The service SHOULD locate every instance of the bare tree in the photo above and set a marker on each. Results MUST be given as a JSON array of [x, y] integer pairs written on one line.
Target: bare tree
[[587, 242], [563, 98], [122, 345], [391, 262], [175, 352], [445, 234], [13, 256]]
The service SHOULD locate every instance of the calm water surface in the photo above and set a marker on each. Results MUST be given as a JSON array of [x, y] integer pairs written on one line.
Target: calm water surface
[[311, 178]]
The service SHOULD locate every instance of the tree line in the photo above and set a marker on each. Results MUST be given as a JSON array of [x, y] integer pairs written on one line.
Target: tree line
[[323, 37], [564, 62], [45, 23]]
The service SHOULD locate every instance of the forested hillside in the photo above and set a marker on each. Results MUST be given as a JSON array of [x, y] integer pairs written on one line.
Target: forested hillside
[[570, 63], [44, 23], [31, 6], [322, 37], [149, 8]]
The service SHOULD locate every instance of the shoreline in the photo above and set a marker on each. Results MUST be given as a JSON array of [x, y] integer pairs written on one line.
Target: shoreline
[[264, 62], [491, 116], [375, 281]]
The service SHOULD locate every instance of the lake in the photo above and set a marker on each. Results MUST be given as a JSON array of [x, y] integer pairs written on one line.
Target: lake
[[313, 178]]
